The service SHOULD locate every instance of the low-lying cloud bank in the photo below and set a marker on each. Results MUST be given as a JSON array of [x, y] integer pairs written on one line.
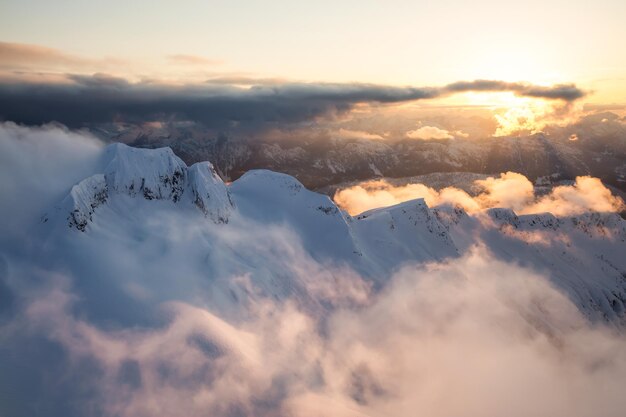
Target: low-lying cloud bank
[[433, 132], [509, 190], [471, 337], [37, 165], [80, 100]]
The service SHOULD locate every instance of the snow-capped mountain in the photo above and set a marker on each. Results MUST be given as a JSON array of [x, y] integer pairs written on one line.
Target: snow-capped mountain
[[150, 288], [135, 191], [598, 151], [152, 174]]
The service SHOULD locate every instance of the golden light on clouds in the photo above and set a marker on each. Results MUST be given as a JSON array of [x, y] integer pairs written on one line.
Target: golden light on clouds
[[518, 115], [509, 190], [522, 115]]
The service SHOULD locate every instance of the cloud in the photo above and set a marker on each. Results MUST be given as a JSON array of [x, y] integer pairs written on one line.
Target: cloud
[[566, 92], [40, 84], [586, 194], [429, 132], [18, 56], [245, 79], [184, 59], [38, 166], [96, 100], [467, 329], [84, 100], [509, 190], [357, 134], [379, 193]]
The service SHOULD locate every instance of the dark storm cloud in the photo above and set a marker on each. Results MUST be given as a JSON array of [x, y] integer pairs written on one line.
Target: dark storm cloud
[[566, 92], [101, 98]]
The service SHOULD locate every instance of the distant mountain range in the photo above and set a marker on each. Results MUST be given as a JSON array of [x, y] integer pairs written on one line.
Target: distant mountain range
[[596, 145]]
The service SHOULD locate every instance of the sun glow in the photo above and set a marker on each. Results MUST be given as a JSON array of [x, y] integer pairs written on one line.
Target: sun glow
[[529, 116], [514, 114]]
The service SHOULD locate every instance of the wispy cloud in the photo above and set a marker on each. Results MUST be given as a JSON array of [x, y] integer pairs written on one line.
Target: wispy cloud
[[429, 132], [36, 58], [509, 190], [185, 59]]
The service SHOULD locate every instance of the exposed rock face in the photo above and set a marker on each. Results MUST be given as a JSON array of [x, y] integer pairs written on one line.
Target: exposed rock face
[[209, 192], [152, 174], [84, 198]]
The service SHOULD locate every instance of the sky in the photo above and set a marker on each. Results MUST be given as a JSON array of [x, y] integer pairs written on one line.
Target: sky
[[382, 42], [258, 68]]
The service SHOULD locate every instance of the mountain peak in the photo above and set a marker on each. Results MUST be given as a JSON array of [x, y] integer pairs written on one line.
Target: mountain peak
[[153, 174]]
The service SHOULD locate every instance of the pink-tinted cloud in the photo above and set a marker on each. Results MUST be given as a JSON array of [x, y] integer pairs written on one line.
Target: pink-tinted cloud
[[429, 132], [445, 330], [509, 190]]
